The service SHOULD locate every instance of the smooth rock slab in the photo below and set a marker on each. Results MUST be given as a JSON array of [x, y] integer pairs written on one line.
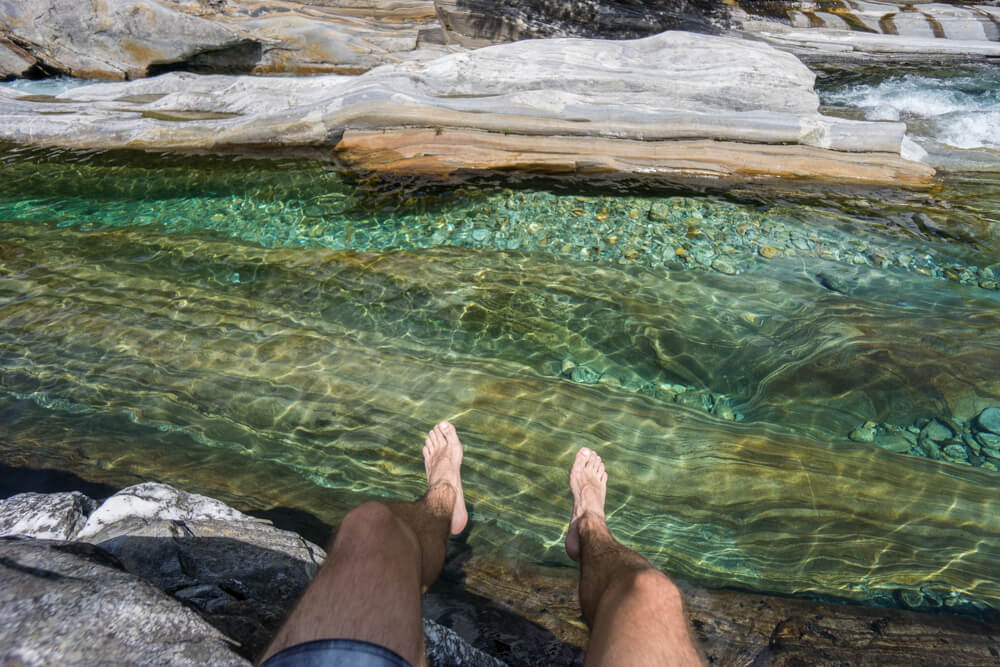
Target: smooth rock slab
[[667, 88], [70, 604], [830, 45]]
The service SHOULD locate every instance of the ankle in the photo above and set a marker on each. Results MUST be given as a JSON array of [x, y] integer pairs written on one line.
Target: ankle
[[591, 524], [441, 498]]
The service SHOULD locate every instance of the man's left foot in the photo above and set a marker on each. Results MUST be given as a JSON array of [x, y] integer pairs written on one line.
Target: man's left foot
[[443, 462]]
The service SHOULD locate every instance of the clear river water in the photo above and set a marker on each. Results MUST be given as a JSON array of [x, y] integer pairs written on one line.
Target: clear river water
[[787, 386]]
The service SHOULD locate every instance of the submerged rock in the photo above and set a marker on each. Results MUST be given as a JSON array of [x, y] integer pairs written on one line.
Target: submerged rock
[[989, 420]]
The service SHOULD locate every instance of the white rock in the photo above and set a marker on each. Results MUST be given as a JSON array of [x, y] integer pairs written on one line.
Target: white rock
[[45, 516], [674, 85], [157, 502]]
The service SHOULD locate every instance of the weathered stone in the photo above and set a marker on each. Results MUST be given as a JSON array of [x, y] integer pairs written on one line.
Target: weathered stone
[[827, 45], [49, 516], [717, 163], [894, 442], [123, 39], [937, 431], [14, 61], [240, 573], [151, 502], [445, 647], [989, 420], [691, 106], [864, 433], [71, 604], [972, 22]]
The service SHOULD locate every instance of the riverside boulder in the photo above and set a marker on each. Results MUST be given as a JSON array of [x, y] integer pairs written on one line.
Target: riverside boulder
[[741, 110]]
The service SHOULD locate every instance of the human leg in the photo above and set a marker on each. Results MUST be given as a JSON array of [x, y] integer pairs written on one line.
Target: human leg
[[383, 557], [635, 613]]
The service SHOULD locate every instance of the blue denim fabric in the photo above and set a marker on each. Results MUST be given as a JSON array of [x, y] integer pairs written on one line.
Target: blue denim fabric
[[336, 653]]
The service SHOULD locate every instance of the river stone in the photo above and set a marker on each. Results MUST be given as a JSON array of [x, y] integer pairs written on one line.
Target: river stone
[[893, 442], [989, 420], [864, 433], [956, 453], [50, 516], [723, 265], [937, 431], [659, 212], [71, 604]]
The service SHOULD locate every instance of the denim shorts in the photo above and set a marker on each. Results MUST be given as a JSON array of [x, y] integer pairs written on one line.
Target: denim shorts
[[336, 653]]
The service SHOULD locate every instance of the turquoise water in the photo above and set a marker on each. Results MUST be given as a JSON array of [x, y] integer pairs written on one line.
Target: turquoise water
[[763, 373]]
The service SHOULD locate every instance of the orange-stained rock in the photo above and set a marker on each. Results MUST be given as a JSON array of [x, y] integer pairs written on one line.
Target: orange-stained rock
[[442, 153]]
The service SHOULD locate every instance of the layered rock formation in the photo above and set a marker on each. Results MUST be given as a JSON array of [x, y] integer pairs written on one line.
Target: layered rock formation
[[676, 106], [868, 31], [126, 39]]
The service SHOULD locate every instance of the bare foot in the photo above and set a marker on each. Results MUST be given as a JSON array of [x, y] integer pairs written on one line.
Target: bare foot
[[443, 462], [589, 483]]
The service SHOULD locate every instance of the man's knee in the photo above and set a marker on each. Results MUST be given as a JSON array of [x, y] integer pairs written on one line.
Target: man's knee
[[652, 588], [372, 521]]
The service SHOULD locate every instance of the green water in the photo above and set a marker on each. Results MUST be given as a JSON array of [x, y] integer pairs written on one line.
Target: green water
[[269, 334]]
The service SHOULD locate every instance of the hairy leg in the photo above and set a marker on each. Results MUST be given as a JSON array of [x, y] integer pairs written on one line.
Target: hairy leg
[[635, 613], [384, 556]]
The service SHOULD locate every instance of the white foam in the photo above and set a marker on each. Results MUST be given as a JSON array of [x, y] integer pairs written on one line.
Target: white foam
[[980, 129], [961, 111], [53, 86]]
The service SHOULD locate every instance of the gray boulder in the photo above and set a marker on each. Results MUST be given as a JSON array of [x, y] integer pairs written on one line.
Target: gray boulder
[[72, 604], [49, 516], [123, 39]]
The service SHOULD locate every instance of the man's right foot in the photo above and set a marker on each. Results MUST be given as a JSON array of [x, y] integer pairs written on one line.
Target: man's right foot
[[589, 483]]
